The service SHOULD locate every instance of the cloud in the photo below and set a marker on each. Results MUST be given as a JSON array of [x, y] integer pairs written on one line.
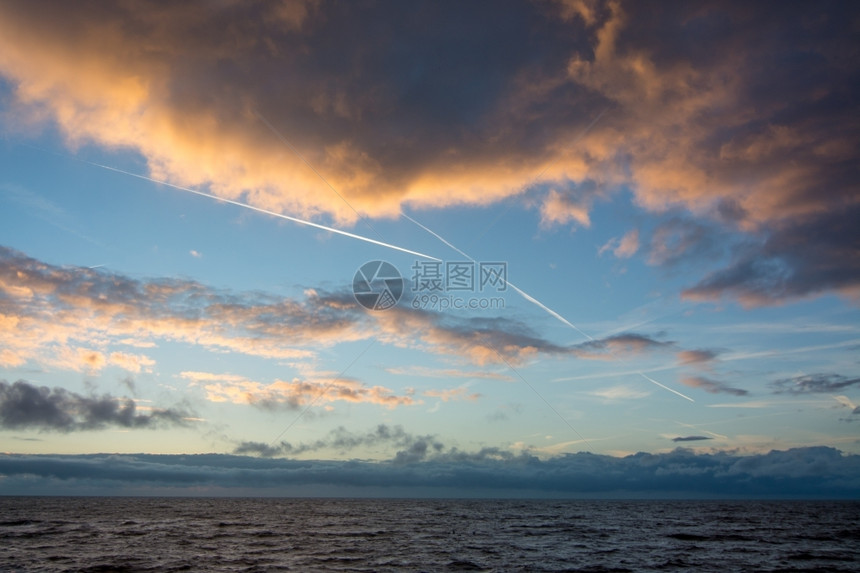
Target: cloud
[[195, 254], [72, 317], [452, 394], [701, 356], [559, 209], [818, 472], [23, 405], [683, 240], [421, 127], [813, 383], [295, 393], [622, 248], [424, 371], [799, 258], [712, 386], [618, 345], [729, 114], [691, 438], [620, 393], [407, 446]]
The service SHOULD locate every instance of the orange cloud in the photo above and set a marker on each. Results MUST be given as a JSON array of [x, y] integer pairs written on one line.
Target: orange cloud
[[295, 393], [735, 129], [622, 248], [452, 394]]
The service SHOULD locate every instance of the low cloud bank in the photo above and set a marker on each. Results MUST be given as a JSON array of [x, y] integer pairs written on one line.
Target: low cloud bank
[[813, 472]]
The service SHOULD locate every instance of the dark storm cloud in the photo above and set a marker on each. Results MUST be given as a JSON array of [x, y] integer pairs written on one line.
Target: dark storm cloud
[[741, 117], [806, 472], [691, 438], [23, 405], [813, 383]]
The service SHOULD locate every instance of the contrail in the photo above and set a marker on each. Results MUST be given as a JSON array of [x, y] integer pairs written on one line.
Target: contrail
[[520, 291], [665, 387], [266, 211], [536, 302]]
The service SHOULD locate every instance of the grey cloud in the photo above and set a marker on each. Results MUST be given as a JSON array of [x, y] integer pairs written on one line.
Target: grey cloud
[[813, 383], [23, 405], [411, 447], [801, 257], [691, 438], [805, 472], [684, 240]]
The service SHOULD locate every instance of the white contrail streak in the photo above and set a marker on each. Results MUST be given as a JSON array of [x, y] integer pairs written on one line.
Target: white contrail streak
[[665, 387], [267, 212], [537, 303], [520, 291]]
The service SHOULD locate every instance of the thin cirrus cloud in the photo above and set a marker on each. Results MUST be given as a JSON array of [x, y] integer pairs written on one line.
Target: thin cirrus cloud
[[72, 317], [742, 133]]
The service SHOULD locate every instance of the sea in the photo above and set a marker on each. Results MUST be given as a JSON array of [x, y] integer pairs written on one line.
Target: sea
[[101, 534]]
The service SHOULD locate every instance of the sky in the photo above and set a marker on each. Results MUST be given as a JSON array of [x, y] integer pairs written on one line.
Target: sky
[[520, 248]]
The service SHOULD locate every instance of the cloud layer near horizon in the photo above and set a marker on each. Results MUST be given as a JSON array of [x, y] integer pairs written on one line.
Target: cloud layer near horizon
[[733, 114], [807, 472]]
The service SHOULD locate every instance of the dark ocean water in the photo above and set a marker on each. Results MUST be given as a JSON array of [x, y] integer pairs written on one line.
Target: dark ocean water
[[167, 534]]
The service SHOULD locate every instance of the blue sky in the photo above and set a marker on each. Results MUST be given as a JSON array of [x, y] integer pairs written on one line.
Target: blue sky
[[675, 193]]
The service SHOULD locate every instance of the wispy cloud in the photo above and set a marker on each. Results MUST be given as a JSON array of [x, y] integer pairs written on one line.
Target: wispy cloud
[[72, 317], [423, 371], [293, 394], [814, 383], [712, 386], [615, 393], [452, 394], [622, 248], [697, 357]]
